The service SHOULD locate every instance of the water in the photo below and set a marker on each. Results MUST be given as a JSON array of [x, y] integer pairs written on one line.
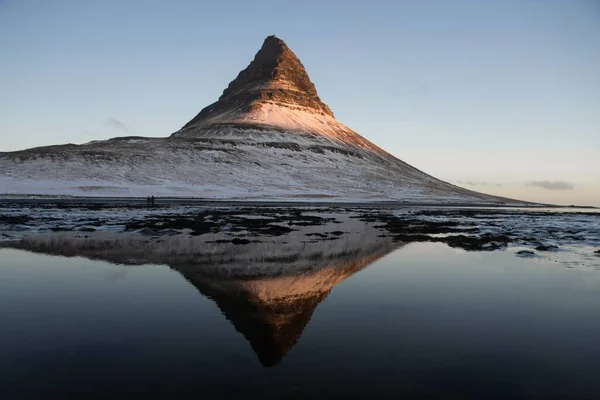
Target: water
[[420, 321]]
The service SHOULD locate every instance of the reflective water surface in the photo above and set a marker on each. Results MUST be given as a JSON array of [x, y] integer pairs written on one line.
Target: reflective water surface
[[368, 318]]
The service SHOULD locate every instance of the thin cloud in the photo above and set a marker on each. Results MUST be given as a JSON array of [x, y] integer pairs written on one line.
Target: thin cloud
[[478, 183], [418, 91], [117, 124], [552, 185], [416, 94]]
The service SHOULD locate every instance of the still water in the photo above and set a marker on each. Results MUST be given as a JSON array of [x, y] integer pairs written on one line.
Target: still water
[[419, 321]]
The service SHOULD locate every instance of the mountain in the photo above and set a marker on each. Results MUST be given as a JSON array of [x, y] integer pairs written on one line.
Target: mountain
[[268, 137]]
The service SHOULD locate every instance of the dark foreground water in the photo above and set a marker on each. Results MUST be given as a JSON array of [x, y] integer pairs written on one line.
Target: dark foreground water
[[420, 321]]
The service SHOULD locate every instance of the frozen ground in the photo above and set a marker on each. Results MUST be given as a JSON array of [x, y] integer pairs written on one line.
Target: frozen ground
[[203, 233]]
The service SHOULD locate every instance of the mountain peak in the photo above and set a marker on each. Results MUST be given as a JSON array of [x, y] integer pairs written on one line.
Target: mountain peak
[[273, 47], [275, 76]]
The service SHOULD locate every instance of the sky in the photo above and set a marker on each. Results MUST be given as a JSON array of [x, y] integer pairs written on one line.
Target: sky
[[501, 97]]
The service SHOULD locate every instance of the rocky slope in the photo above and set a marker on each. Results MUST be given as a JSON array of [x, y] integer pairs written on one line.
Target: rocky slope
[[268, 137]]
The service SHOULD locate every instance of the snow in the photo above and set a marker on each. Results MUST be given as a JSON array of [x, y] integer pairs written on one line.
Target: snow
[[288, 153], [288, 117]]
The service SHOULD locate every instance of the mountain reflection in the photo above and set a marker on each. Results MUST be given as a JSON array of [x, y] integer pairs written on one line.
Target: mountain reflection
[[268, 291], [272, 312]]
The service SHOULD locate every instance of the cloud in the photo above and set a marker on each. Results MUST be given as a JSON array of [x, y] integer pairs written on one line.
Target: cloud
[[552, 185], [117, 124], [478, 183], [416, 94], [418, 91]]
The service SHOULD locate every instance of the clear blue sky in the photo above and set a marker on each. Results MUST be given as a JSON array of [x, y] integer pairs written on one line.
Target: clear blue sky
[[499, 96]]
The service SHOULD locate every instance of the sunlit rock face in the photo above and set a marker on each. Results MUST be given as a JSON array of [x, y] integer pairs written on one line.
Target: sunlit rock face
[[275, 76]]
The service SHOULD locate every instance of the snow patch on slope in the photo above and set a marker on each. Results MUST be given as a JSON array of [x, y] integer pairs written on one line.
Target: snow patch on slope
[[227, 163], [290, 118]]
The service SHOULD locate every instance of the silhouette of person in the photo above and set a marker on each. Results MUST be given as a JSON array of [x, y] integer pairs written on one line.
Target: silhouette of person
[[152, 200]]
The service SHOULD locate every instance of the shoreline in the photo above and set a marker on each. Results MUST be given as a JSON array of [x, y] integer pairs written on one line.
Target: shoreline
[[128, 201]]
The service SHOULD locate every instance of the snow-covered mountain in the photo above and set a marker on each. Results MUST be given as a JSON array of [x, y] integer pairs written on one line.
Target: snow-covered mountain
[[268, 137]]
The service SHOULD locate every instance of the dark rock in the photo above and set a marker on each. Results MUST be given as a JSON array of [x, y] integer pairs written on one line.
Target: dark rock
[[146, 231], [14, 220], [549, 247], [321, 235], [487, 242], [525, 253]]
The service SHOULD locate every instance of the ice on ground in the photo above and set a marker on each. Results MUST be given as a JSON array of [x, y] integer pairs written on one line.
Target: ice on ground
[[576, 235]]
